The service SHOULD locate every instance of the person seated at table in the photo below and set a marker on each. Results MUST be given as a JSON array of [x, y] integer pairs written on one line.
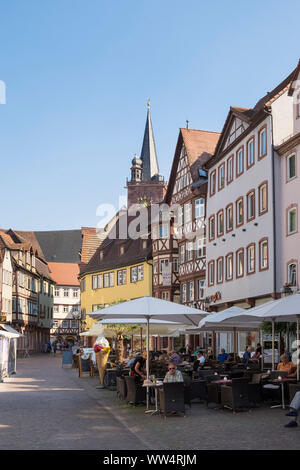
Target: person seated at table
[[173, 375], [257, 355], [174, 357], [222, 357], [230, 358], [285, 365], [138, 366], [288, 354], [199, 362], [294, 407], [247, 355], [163, 357]]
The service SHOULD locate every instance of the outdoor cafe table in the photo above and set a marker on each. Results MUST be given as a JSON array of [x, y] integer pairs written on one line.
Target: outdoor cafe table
[[155, 387], [281, 382], [222, 381]]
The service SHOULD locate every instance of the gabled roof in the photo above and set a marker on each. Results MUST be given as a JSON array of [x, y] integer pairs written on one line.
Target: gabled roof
[[111, 258], [43, 269], [294, 78], [31, 238], [65, 274], [61, 246], [200, 146], [251, 116]]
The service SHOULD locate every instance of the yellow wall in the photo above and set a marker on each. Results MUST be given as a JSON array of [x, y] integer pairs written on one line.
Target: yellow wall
[[106, 295]]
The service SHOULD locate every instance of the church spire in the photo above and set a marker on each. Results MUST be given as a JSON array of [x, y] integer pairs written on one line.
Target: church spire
[[148, 153]]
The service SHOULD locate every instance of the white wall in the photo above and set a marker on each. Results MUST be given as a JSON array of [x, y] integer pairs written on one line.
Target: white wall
[[260, 283]]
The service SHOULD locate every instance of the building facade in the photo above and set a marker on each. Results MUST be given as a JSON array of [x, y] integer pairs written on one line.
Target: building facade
[[27, 279], [66, 308]]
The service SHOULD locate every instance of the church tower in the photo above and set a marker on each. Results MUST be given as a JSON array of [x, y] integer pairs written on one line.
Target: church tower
[[146, 185]]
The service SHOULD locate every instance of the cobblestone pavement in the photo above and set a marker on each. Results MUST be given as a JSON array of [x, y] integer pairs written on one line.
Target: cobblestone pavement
[[46, 406]]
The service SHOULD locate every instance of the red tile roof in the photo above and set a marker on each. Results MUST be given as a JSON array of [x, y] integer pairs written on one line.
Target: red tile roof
[[65, 274], [90, 243]]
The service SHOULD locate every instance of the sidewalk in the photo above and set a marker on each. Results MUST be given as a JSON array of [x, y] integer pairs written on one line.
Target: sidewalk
[[49, 407]]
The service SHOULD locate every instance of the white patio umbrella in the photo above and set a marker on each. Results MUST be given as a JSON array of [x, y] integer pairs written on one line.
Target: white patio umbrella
[[286, 309], [149, 307]]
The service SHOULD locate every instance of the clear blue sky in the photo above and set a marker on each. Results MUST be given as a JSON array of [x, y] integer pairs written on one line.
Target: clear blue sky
[[78, 76]]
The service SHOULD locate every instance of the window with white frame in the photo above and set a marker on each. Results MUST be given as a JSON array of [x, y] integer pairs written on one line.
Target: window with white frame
[[250, 206], [263, 255], [292, 221], [121, 277], [229, 267], [239, 212], [55, 308], [229, 218], [56, 291], [187, 212], [211, 273], [164, 263], [109, 279], [82, 285], [263, 198], [291, 166], [175, 265], [181, 254], [240, 263], [212, 183], [292, 274], [200, 247], [137, 273], [220, 224], [212, 227], [250, 152], [180, 216], [183, 293], [189, 251], [66, 292], [251, 259], [190, 291], [75, 293], [65, 324], [165, 295], [164, 231], [262, 146], [200, 288], [230, 169], [221, 176], [66, 309], [220, 270], [240, 161], [199, 208]]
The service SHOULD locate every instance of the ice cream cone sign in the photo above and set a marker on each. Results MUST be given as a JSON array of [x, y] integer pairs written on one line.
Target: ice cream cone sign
[[102, 350]]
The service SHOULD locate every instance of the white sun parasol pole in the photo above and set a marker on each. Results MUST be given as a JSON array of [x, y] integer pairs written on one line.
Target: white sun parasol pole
[[148, 360], [297, 362], [273, 351]]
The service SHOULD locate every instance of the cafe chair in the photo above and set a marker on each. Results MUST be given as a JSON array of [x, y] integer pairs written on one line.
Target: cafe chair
[[255, 389], [212, 395], [135, 392], [235, 396], [171, 398], [85, 366]]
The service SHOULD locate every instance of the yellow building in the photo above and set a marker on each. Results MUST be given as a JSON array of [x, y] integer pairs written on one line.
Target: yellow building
[[121, 269]]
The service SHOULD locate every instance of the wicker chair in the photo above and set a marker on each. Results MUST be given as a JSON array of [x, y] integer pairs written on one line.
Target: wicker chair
[[121, 388], [255, 389], [135, 392], [171, 398], [213, 395], [235, 396]]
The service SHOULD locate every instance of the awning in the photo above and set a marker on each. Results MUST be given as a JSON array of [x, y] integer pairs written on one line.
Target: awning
[[10, 330]]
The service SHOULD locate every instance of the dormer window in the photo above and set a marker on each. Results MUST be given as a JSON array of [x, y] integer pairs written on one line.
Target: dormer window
[[101, 255], [122, 250]]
